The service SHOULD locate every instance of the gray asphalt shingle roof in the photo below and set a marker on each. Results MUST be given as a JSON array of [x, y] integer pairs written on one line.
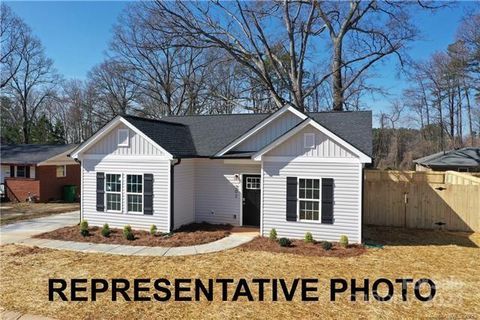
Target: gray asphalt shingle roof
[[465, 157], [31, 153], [205, 135]]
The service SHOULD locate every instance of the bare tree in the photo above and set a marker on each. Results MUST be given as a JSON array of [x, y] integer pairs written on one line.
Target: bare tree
[[115, 91], [31, 86], [13, 34], [361, 34], [249, 33]]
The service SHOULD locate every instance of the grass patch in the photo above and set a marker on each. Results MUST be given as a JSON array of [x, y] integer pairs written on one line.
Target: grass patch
[[15, 212], [452, 265]]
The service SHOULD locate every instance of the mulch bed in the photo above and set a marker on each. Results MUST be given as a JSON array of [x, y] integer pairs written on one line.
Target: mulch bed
[[305, 249], [193, 234]]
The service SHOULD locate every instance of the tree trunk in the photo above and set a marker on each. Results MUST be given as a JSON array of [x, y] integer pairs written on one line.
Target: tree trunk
[[469, 112], [337, 76]]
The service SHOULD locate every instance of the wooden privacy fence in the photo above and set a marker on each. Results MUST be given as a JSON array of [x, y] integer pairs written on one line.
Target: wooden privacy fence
[[426, 200]]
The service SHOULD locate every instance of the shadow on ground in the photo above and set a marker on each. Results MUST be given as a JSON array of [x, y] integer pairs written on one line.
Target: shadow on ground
[[395, 236]]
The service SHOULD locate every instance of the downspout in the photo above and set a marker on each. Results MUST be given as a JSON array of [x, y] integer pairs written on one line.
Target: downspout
[[172, 194], [81, 182]]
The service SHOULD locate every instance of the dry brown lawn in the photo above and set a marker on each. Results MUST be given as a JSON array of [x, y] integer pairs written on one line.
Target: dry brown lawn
[[13, 212], [451, 260]]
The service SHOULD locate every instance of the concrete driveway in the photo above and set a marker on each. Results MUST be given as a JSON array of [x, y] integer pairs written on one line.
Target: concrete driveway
[[19, 231]]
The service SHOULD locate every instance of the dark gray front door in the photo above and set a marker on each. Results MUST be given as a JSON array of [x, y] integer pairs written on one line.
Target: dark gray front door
[[251, 200]]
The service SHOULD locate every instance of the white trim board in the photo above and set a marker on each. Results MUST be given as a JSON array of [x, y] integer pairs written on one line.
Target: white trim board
[[363, 158], [260, 126], [109, 127]]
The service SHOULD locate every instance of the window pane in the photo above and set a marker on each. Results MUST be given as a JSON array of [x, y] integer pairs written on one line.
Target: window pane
[[134, 203], [316, 183], [309, 194], [134, 183], [113, 183], [316, 194], [113, 201], [309, 210], [309, 183]]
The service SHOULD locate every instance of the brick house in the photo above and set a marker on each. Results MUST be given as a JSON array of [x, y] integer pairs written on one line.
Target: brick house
[[37, 171]]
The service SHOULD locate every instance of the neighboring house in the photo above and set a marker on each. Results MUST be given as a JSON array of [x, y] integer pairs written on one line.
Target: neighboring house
[[462, 160], [290, 171], [37, 171]]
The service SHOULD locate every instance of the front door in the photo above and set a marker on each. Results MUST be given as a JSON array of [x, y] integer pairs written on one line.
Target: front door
[[251, 200]]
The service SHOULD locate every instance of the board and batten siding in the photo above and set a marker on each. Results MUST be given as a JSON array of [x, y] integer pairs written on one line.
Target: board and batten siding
[[137, 145], [139, 157], [184, 193], [324, 146], [292, 159], [218, 192], [269, 133]]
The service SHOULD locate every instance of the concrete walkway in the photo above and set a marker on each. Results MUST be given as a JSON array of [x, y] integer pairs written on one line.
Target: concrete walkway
[[16, 232], [22, 232], [232, 241], [13, 315]]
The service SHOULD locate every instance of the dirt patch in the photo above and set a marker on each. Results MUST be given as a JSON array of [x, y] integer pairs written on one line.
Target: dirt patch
[[194, 234], [25, 251], [305, 249], [14, 212]]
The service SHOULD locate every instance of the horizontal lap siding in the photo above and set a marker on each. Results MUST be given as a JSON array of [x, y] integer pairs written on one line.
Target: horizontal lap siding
[[184, 193], [215, 187], [161, 193], [346, 199]]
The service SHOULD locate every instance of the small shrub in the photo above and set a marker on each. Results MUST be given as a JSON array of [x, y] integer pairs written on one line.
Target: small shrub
[[326, 245], [273, 235], [309, 238], [284, 242], [106, 230], [84, 228], [167, 234], [128, 233], [153, 230], [344, 241]]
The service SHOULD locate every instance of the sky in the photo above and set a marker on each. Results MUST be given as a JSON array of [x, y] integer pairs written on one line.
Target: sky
[[76, 35]]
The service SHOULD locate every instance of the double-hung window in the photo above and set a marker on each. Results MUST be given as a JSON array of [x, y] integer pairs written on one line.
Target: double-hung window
[[309, 199], [135, 193], [113, 192]]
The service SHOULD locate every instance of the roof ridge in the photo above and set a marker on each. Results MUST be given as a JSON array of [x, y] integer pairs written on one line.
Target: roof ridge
[[153, 120]]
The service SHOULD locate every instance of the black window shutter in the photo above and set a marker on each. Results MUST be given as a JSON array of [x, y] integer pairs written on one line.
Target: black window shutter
[[148, 193], [12, 171], [27, 172], [291, 198], [100, 191], [327, 200]]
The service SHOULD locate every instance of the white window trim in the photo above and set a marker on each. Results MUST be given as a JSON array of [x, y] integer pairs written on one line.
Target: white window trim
[[247, 182], [64, 171], [135, 193], [303, 199], [306, 136], [114, 192], [119, 132]]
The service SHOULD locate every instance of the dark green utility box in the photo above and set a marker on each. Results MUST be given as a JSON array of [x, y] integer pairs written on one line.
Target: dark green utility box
[[69, 193]]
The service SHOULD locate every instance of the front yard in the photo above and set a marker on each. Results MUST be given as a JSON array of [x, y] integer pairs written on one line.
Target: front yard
[[451, 260], [13, 212]]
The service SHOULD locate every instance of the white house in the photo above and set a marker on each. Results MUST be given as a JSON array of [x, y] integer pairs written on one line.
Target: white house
[[291, 171]]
